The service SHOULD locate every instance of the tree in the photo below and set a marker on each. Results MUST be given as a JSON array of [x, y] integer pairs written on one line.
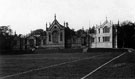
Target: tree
[[6, 38], [80, 32], [126, 32], [4, 30], [40, 32], [92, 30], [69, 33]]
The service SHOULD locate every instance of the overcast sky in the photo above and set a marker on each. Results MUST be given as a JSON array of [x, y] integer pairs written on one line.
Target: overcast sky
[[26, 15]]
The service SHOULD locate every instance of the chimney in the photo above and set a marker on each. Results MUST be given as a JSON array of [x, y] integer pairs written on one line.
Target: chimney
[[66, 24]]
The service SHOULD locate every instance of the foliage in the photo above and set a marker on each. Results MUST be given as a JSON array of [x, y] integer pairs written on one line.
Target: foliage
[[6, 39], [126, 34], [40, 32], [80, 32], [69, 33], [92, 30]]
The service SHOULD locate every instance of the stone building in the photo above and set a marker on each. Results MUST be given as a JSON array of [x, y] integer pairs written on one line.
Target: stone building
[[105, 36], [61, 36], [20, 43], [55, 35]]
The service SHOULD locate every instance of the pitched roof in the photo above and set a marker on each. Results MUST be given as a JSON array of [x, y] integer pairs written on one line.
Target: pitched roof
[[55, 22], [105, 23]]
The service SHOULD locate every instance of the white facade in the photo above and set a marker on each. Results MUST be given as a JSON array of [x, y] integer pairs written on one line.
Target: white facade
[[103, 38]]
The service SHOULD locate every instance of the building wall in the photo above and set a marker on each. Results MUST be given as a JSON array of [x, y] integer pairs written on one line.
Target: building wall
[[51, 44]]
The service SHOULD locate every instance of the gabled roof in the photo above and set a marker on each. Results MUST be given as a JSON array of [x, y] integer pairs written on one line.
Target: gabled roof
[[106, 23], [57, 24]]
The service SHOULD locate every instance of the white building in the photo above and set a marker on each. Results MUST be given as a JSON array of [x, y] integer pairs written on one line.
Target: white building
[[105, 36]]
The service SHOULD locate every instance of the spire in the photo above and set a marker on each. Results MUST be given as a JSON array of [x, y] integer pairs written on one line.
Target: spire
[[46, 25], [15, 33], [64, 23], [106, 18], [55, 16], [118, 22]]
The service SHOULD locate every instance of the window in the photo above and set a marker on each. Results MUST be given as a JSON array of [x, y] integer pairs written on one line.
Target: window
[[31, 41], [44, 42], [99, 30], [61, 36], [55, 35], [49, 36], [55, 27], [98, 39], [95, 31], [92, 40], [106, 39], [106, 29]]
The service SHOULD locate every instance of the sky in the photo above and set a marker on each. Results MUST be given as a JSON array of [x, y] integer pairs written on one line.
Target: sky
[[24, 16]]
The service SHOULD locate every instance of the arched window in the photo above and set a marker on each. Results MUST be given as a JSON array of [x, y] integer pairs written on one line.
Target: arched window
[[55, 36], [31, 42], [106, 29], [92, 39], [61, 36], [49, 36], [98, 39], [99, 30]]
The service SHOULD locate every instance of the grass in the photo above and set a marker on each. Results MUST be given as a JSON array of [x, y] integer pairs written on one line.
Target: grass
[[19, 63], [11, 64], [121, 68]]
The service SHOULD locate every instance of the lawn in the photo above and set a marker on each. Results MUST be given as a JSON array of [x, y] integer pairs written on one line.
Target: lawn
[[12, 64], [121, 68]]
